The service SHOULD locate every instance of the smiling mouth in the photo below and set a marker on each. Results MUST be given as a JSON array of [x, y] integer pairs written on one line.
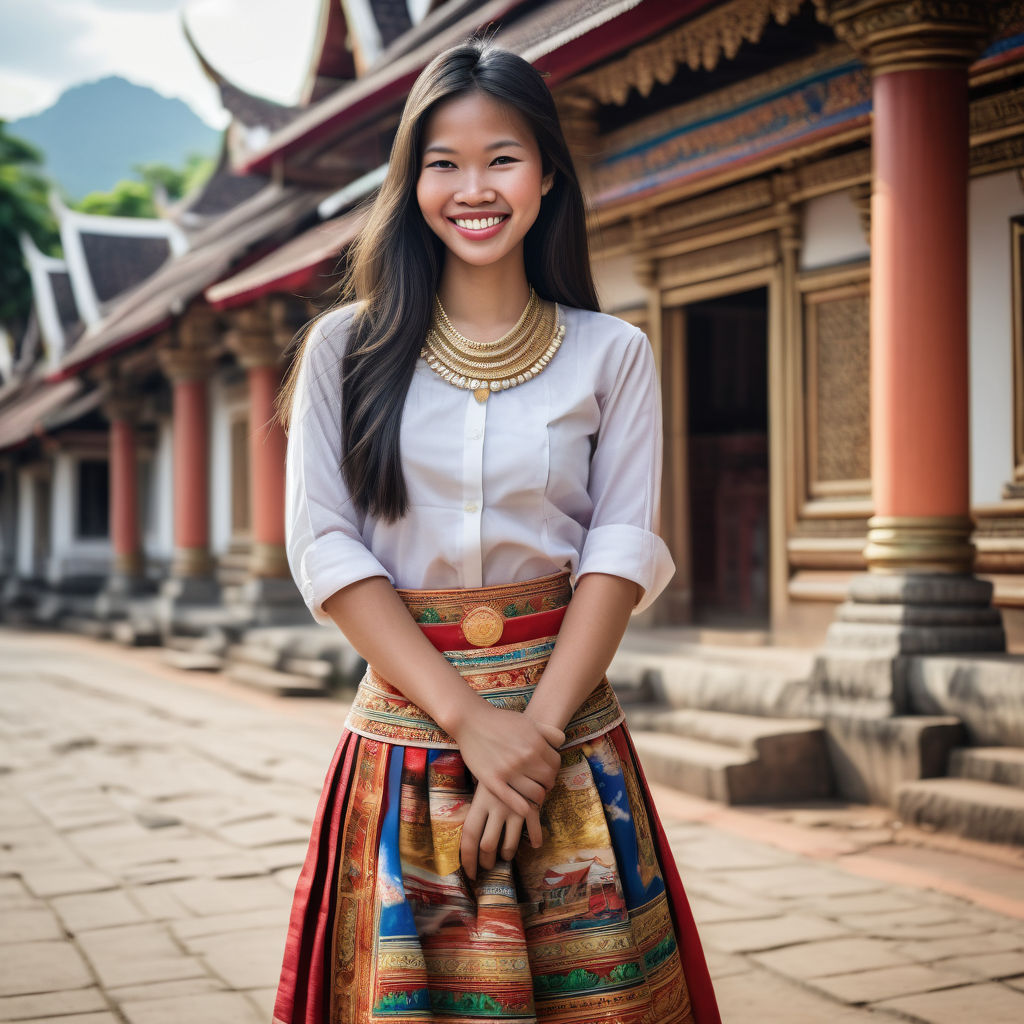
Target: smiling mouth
[[478, 223]]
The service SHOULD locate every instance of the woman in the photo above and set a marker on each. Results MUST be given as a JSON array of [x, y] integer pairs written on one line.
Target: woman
[[464, 438]]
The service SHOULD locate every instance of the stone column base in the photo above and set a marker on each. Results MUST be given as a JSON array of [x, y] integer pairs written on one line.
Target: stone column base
[[273, 601]]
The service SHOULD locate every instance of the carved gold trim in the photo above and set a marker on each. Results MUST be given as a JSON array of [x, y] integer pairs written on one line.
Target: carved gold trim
[[902, 35], [192, 563], [997, 116], [727, 259], [833, 174], [700, 42], [269, 561], [919, 544]]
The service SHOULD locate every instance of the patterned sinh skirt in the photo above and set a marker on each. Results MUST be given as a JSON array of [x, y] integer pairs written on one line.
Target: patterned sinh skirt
[[385, 926]]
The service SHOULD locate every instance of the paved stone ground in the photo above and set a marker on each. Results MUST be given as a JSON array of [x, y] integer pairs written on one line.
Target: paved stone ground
[[152, 826]]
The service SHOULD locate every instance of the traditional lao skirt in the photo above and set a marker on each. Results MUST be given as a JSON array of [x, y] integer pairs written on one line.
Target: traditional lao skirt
[[593, 926]]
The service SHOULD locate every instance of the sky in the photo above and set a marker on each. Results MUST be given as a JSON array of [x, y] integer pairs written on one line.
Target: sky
[[263, 46]]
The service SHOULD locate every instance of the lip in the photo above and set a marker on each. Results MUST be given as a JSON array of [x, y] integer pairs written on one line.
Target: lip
[[482, 232]]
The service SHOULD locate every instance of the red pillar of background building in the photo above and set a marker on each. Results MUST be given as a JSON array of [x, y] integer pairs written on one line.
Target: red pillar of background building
[[188, 370], [251, 339], [125, 535]]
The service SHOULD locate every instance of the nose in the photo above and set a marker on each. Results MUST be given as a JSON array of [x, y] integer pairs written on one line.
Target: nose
[[473, 190]]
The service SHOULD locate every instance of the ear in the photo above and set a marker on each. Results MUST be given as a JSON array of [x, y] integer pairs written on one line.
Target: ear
[[546, 182]]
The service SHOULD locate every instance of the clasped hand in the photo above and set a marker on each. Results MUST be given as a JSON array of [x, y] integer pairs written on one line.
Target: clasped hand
[[515, 761]]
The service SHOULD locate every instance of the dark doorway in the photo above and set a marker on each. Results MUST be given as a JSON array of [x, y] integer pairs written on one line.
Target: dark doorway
[[727, 402]]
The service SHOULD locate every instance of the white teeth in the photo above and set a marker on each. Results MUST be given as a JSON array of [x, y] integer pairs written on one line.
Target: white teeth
[[479, 225]]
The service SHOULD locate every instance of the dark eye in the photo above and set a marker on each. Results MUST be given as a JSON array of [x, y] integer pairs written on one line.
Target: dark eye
[[510, 159], [436, 162]]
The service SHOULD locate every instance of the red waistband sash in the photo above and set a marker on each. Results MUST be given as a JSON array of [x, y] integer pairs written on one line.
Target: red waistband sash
[[499, 640]]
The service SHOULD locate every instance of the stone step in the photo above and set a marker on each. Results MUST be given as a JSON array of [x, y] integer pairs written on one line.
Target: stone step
[[193, 660], [979, 810], [136, 632], [768, 681], [734, 758], [269, 680], [1001, 765], [254, 654]]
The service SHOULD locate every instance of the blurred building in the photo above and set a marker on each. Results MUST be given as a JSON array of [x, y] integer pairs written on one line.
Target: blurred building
[[814, 209]]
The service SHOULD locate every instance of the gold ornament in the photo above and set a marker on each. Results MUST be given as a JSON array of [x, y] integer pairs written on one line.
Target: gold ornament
[[486, 366]]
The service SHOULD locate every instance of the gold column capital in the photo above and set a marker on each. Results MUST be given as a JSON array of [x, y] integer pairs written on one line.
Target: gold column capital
[[252, 348], [904, 35], [181, 364]]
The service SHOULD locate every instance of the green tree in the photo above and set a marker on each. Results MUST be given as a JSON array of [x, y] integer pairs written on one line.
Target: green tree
[[130, 198], [23, 208]]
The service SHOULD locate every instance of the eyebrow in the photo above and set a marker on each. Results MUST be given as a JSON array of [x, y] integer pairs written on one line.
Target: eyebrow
[[500, 144]]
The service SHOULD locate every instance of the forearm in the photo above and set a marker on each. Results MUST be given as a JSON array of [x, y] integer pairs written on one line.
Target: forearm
[[592, 629], [379, 626]]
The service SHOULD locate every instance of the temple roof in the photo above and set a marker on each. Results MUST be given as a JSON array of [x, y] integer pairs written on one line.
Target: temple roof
[[560, 38]]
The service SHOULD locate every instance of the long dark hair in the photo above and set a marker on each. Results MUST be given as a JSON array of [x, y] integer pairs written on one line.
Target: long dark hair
[[394, 267]]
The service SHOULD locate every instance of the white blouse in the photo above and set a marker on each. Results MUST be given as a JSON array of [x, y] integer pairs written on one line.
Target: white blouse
[[564, 470]]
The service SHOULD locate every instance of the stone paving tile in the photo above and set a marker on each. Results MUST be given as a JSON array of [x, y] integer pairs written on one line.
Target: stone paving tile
[[984, 1004], [42, 967], [78, 1018], [985, 965], [724, 853], [166, 989], [46, 882], [83, 911], [887, 982], [227, 896], [52, 1004], [211, 1008], [800, 881], [836, 956], [135, 954], [29, 924], [263, 999], [756, 996], [941, 949], [265, 831], [219, 924], [243, 959], [769, 933]]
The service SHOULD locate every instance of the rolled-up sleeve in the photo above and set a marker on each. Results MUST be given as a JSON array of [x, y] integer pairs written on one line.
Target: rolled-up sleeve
[[323, 528], [625, 480]]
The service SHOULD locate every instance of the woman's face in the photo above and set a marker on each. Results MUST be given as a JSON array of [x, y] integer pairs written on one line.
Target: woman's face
[[480, 180]]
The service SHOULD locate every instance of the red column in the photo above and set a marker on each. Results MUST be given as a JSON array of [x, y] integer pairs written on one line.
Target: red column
[[918, 55], [124, 487], [251, 339], [188, 370], [266, 464]]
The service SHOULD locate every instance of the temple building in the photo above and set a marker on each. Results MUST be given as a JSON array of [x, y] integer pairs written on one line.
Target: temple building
[[813, 208]]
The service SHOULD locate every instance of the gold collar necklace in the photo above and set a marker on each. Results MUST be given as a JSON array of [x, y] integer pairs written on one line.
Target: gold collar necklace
[[486, 366]]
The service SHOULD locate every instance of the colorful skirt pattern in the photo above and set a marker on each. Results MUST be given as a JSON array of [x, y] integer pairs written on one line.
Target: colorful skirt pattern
[[385, 926]]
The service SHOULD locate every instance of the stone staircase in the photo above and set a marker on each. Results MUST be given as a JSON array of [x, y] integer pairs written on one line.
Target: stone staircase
[[702, 719], [982, 797]]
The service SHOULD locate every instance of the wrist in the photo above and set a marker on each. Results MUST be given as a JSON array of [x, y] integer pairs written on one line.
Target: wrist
[[463, 714]]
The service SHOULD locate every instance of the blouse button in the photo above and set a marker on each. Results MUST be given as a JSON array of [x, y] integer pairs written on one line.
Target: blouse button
[[475, 434], [471, 506]]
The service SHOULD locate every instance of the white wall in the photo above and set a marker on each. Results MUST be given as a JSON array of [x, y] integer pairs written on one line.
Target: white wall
[[832, 232], [159, 533], [222, 409], [617, 286], [26, 522], [62, 512], [994, 199]]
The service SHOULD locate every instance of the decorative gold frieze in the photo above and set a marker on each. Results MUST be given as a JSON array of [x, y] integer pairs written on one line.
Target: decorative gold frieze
[[698, 43], [719, 260], [1002, 155], [726, 202], [834, 173], [994, 117], [179, 364], [898, 35]]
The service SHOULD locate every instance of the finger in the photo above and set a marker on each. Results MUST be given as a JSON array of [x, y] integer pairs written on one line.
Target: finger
[[511, 799], [551, 733], [533, 828], [491, 840], [513, 836], [533, 790], [472, 830]]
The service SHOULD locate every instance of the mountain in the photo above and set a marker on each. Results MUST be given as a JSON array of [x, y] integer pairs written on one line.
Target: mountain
[[96, 133]]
